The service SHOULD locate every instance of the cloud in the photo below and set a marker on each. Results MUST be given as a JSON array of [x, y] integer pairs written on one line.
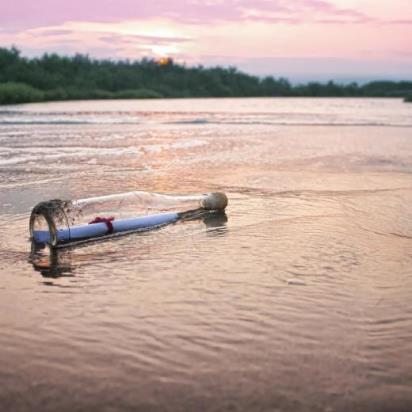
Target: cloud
[[141, 45], [114, 38], [304, 11], [28, 13], [107, 40], [53, 32], [407, 22]]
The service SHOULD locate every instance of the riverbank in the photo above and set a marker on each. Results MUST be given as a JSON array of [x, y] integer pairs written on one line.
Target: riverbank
[[17, 93]]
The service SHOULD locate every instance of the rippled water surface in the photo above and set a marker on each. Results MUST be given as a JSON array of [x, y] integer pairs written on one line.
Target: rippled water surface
[[298, 299]]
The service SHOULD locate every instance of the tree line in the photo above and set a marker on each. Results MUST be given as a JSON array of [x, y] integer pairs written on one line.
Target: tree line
[[55, 77]]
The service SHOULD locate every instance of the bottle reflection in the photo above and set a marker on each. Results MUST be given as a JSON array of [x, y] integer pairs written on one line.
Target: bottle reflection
[[50, 262], [215, 223]]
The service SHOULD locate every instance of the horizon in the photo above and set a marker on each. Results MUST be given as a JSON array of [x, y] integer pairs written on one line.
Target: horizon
[[315, 40]]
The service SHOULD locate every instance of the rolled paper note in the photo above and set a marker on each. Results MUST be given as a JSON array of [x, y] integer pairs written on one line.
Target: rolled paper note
[[82, 232], [57, 222]]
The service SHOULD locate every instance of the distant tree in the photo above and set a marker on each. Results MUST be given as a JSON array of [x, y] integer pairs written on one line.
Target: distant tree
[[55, 77]]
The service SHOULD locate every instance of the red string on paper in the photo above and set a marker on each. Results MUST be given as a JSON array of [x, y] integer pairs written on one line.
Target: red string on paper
[[107, 220]]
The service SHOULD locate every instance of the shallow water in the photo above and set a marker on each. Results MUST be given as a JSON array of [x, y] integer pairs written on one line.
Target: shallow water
[[298, 299]]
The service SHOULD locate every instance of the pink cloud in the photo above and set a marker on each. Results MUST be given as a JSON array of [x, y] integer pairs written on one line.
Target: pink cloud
[[23, 14], [29, 13], [54, 32], [400, 22], [114, 38]]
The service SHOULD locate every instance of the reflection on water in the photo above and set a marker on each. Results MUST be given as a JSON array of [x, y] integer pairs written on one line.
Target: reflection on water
[[50, 262], [298, 299]]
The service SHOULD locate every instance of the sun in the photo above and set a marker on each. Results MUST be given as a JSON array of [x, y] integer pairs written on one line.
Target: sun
[[164, 61]]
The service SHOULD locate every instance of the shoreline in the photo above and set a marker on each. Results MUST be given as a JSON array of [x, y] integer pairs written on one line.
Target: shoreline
[[405, 99]]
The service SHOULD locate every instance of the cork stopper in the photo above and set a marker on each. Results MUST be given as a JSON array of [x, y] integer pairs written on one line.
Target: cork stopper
[[215, 201]]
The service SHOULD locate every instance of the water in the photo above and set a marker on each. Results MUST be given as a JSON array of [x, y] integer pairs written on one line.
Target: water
[[297, 299]]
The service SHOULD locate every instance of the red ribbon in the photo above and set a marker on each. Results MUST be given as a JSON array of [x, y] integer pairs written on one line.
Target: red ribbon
[[107, 220]]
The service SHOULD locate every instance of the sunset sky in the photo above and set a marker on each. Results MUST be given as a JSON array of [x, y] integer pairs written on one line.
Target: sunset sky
[[301, 39]]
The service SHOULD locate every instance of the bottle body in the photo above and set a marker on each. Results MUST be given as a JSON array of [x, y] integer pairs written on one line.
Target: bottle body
[[58, 222]]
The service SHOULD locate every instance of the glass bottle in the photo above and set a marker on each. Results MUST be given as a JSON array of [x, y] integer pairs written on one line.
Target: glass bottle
[[58, 222]]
